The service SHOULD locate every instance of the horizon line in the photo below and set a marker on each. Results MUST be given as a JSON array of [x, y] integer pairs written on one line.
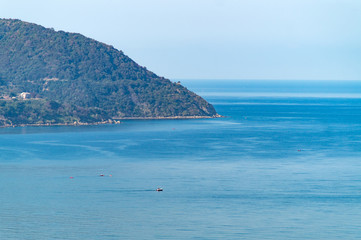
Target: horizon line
[[258, 79]]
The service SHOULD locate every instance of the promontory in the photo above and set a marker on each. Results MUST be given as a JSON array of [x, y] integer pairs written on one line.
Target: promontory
[[55, 77]]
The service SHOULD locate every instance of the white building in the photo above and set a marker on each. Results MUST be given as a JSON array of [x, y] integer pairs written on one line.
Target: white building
[[24, 95]]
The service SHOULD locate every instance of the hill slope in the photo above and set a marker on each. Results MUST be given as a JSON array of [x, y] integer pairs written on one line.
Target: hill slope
[[55, 77]]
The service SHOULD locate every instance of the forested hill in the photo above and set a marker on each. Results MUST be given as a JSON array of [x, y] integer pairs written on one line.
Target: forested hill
[[56, 77]]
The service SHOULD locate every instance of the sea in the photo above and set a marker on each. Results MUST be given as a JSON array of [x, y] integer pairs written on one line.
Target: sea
[[283, 163]]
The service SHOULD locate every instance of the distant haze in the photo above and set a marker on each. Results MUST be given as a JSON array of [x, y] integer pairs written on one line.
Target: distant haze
[[216, 39]]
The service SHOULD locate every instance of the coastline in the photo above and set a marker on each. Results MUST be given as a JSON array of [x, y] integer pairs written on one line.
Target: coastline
[[110, 121], [169, 118]]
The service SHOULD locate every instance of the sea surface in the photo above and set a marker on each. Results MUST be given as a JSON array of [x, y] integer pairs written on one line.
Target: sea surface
[[284, 163]]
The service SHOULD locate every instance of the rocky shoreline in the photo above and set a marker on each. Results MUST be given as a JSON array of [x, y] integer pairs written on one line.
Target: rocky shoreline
[[168, 118], [110, 121]]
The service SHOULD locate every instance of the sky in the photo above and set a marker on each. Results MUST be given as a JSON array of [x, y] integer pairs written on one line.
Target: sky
[[215, 39]]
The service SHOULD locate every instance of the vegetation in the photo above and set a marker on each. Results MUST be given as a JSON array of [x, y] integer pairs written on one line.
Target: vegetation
[[73, 78]]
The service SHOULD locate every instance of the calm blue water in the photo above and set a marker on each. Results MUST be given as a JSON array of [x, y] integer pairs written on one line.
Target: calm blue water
[[285, 163]]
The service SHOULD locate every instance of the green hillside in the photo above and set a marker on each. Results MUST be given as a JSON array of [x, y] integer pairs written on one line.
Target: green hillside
[[55, 77]]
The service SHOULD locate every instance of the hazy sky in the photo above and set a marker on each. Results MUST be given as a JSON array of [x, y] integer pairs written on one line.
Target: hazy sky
[[215, 39]]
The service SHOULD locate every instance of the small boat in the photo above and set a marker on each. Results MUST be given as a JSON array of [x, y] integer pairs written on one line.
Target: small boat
[[159, 189]]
